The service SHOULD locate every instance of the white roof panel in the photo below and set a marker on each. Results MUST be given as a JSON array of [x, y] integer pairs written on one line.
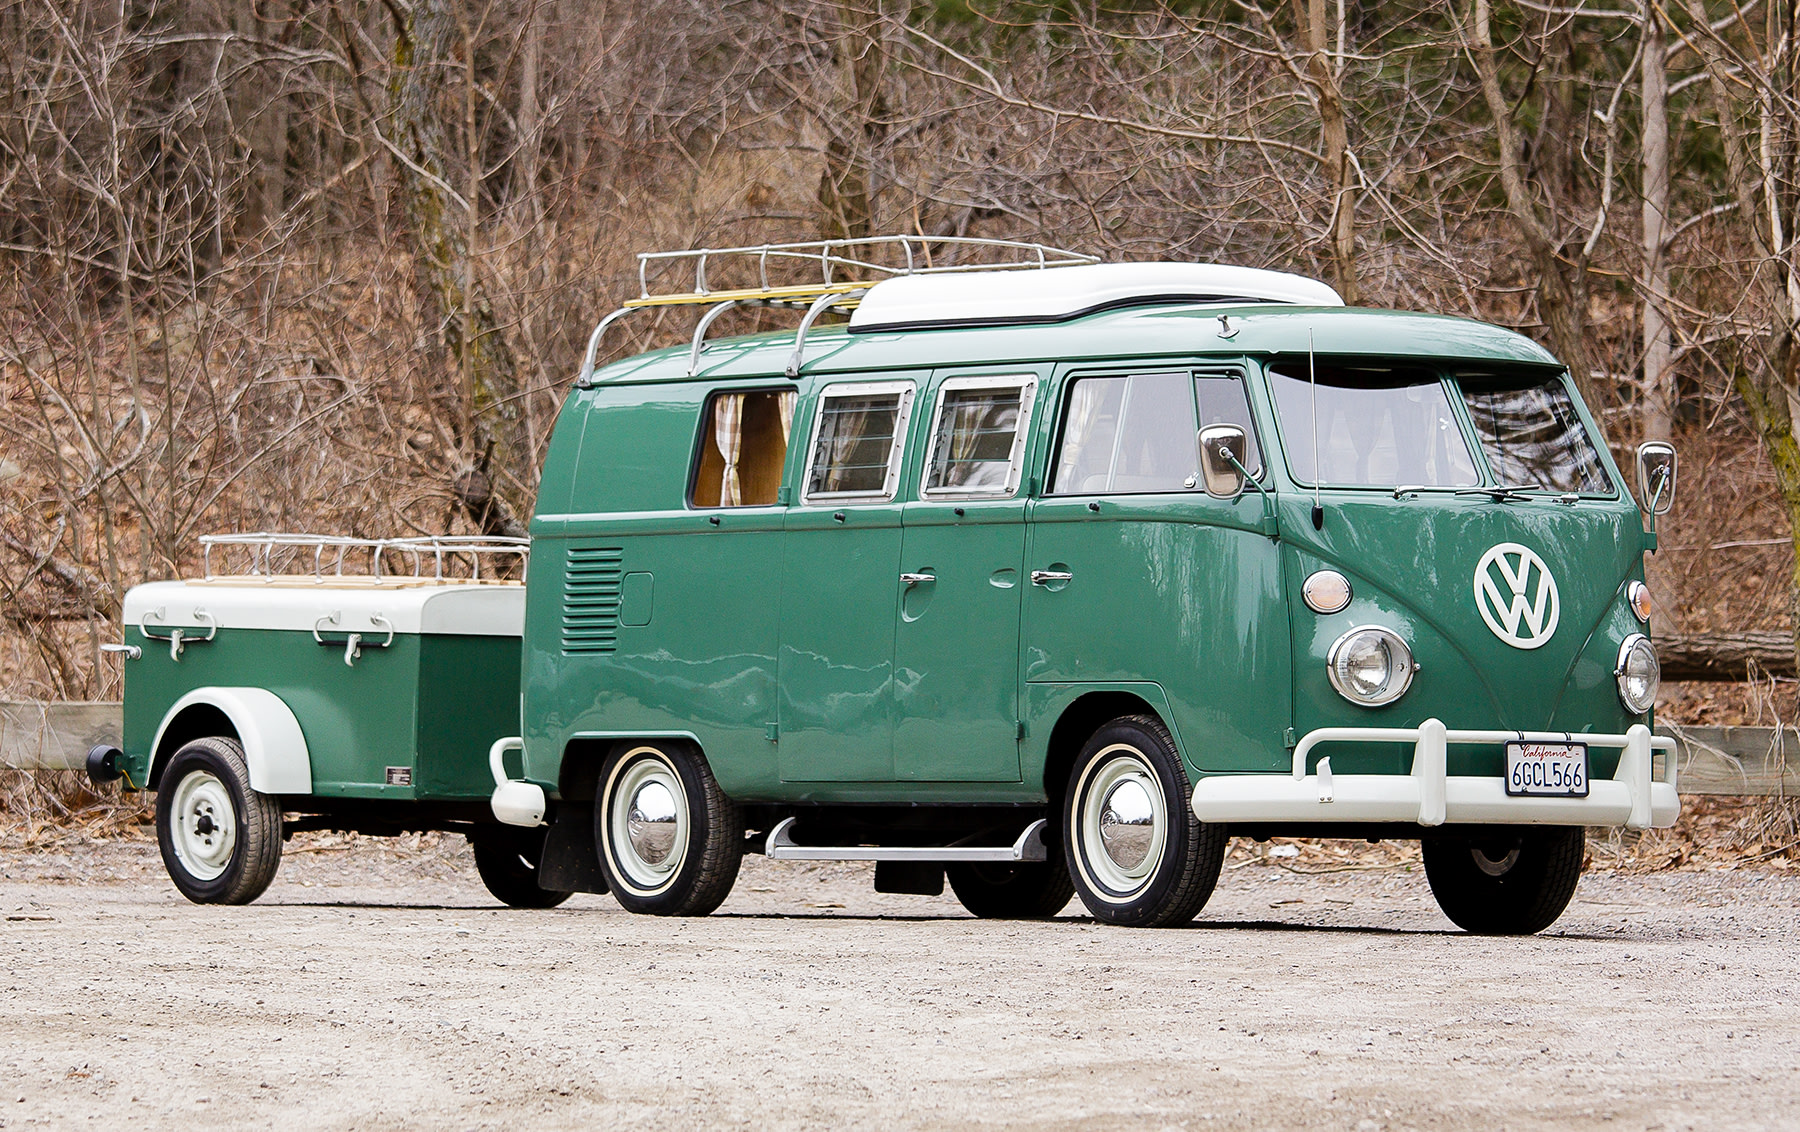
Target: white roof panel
[[1053, 294]]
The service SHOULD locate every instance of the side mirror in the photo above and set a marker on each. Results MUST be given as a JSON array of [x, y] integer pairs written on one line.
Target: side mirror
[[1222, 451], [1656, 475]]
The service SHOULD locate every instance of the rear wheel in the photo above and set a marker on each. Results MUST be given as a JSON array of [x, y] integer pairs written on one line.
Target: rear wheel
[[1134, 849], [507, 858], [220, 839], [1507, 882], [1006, 891], [670, 840]]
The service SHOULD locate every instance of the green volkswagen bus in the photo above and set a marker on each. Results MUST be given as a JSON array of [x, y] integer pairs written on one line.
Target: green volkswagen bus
[[1047, 578]]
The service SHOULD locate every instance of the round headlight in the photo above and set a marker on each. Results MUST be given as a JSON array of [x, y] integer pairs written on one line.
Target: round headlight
[[1639, 674], [1638, 594], [1370, 666]]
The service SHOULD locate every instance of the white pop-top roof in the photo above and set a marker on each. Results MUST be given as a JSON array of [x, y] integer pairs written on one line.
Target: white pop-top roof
[[997, 297], [472, 609]]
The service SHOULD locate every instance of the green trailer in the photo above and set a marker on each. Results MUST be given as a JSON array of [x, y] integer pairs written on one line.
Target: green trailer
[[1036, 580]]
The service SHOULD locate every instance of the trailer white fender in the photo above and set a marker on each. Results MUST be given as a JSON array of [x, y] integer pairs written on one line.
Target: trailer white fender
[[274, 746]]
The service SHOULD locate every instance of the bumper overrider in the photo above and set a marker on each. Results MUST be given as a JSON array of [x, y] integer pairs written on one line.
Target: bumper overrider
[[1635, 797], [514, 802]]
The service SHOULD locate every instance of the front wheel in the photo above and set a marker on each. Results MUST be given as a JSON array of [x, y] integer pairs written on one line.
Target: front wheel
[[507, 858], [1505, 882], [1134, 849], [670, 840], [220, 839]]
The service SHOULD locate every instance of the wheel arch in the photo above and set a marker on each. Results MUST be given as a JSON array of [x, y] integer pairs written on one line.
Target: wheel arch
[[261, 722], [578, 777], [1086, 714]]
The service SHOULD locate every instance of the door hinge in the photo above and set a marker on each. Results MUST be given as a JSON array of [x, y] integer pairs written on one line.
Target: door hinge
[[773, 733], [1018, 729], [1290, 738]]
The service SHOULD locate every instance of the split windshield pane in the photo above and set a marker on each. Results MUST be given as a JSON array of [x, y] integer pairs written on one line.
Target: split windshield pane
[[1378, 426], [1533, 437]]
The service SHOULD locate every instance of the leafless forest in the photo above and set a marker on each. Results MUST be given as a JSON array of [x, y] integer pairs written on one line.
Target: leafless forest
[[330, 264]]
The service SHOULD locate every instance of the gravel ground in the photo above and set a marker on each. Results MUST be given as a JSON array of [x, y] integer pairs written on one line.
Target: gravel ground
[[376, 985]]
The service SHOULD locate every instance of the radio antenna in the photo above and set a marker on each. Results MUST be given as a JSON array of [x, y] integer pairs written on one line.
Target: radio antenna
[[1312, 369]]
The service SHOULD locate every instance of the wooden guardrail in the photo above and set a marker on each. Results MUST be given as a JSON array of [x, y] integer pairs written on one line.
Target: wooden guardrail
[[1714, 760]]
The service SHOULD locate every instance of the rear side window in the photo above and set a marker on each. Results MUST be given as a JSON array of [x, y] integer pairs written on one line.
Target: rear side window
[[1128, 434], [978, 440], [743, 447], [857, 442]]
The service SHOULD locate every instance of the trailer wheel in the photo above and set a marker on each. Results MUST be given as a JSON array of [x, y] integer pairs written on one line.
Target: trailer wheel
[[1508, 882], [670, 840], [220, 839], [507, 858], [1135, 851], [993, 891]]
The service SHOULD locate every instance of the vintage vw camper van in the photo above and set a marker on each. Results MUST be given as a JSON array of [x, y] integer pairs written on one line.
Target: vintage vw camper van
[[1045, 579]]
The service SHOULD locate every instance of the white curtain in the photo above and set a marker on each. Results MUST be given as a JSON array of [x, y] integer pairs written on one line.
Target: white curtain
[[788, 397], [728, 434], [1084, 411]]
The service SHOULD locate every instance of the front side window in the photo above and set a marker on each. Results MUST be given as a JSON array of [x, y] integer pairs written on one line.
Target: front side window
[[858, 441], [1369, 426], [1532, 435], [1128, 434], [978, 443], [1223, 401], [743, 447]]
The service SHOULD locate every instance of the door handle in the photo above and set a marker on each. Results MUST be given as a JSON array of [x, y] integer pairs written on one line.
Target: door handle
[[1045, 577], [916, 579]]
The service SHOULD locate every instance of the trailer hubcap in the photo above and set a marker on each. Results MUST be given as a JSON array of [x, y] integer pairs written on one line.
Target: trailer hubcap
[[204, 825]]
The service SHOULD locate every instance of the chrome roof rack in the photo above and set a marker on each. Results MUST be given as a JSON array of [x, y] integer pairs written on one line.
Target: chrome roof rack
[[841, 272]]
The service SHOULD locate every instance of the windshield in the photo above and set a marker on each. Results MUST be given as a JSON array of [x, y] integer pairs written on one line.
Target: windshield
[[1532, 435], [1378, 426]]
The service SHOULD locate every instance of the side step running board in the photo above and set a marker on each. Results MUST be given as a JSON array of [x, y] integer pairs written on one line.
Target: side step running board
[[1029, 847]]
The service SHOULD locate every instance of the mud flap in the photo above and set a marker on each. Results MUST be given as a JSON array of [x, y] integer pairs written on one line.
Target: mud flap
[[570, 862], [917, 878]]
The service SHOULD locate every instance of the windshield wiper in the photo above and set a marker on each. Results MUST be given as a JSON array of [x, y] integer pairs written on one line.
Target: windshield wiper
[[1508, 494], [1497, 494]]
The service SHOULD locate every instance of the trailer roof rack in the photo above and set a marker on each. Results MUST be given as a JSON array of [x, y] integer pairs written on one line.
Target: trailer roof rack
[[277, 558], [840, 271]]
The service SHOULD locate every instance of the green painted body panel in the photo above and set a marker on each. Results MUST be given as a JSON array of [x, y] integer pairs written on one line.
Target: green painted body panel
[[431, 704], [957, 642], [783, 640]]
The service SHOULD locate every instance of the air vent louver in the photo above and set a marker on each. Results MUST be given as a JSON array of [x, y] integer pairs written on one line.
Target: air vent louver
[[590, 622]]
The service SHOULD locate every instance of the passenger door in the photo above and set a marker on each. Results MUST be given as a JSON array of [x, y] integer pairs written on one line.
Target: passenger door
[[840, 581], [1144, 578], [956, 654]]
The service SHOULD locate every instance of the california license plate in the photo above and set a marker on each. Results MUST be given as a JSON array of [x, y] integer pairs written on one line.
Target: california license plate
[[1556, 770]]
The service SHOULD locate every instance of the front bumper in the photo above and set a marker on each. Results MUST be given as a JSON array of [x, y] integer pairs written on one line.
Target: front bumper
[[1634, 797]]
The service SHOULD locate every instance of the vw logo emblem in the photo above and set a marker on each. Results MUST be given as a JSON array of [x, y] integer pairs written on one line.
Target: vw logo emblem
[[1516, 595]]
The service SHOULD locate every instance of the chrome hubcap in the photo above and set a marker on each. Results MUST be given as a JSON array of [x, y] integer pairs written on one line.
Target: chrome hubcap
[[203, 826], [650, 823], [647, 822], [1127, 823], [1121, 824], [1495, 866]]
